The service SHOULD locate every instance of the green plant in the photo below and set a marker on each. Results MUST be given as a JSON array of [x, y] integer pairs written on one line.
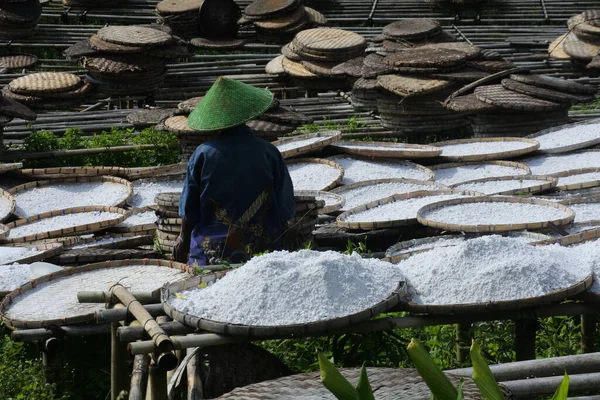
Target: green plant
[[339, 386], [355, 123], [360, 247]]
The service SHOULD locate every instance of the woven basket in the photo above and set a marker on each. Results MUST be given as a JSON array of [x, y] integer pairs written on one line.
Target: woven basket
[[422, 215], [571, 147], [329, 163], [107, 179], [373, 225], [387, 150], [89, 314], [46, 251], [544, 183], [532, 146], [326, 138], [7, 197], [74, 230], [312, 328], [337, 200], [580, 185]]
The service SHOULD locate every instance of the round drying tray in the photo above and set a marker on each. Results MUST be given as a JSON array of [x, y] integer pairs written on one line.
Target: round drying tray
[[70, 172], [422, 216], [563, 131], [319, 161], [510, 165], [401, 251], [539, 183], [10, 167], [72, 229], [575, 201], [390, 150], [7, 204], [117, 202], [43, 251], [168, 200], [387, 384], [342, 221], [527, 146], [567, 180], [528, 302], [296, 145], [151, 172], [59, 291], [400, 168], [332, 202], [257, 331], [147, 222]]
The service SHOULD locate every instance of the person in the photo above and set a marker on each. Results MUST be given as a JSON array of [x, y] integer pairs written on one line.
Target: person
[[238, 195]]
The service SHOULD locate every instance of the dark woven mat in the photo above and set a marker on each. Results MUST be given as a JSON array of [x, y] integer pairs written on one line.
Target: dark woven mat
[[145, 118], [579, 49], [469, 103], [289, 52], [123, 64], [134, 36], [14, 109], [27, 12], [204, 43], [219, 19], [174, 7], [393, 46], [264, 9], [80, 49], [101, 45], [352, 67], [322, 68], [499, 96], [286, 116], [81, 92], [491, 66], [86, 256], [189, 105], [550, 82], [592, 17], [267, 127], [18, 61], [288, 20], [414, 28], [169, 52], [426, 58], [546, 94], [462, 75], [470, 50], [375, 66]]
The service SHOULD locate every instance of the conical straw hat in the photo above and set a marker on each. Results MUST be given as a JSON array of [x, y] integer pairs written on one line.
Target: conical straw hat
[[229, 103]]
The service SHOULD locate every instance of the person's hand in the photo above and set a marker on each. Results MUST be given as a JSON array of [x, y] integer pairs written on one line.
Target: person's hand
[[181, 249]]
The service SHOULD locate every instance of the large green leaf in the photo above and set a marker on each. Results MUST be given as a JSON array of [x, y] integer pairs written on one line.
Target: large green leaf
[[563, 390], [363, 387], [460, 395], [436, 380], [334, 381], [483, 377]]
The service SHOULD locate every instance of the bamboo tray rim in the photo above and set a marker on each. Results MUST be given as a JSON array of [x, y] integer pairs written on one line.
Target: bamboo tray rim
[[323, 161], [371, 225], [504, 163], [579, 185], [411, 164], [149, 172], [493, 227], [546, 182], [533, 146], [571, 147], [13, 204], [328, 137], [68, 172], [69, 271], [397, 150], [397, 297], [340, 200], [47, 250], [133, 238]]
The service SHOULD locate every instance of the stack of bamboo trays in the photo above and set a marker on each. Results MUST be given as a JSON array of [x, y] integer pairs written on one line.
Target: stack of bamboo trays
[[582, 42], [19, 18], [169, 222]]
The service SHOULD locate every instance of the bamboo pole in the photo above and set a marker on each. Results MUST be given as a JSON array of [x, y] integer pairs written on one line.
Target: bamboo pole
[[185, 342], [86, 296], [463, 339], [157, 383], [118, 364], [139, 377], [588, 333], [194, 376], [529, 388], [33, 335], [115, 315], [129, 334]]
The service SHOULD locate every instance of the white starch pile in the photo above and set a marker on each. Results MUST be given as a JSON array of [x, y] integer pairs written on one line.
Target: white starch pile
[[61, 222], [145, 190], [10, 254], [491, 268], [500, 186], [579, 178], [583, 134], [481, 148], [67, 195], [587, 254], [586, 212], [58, 298], [140, 218], [469, 172], [5, 207], [14, 275], [547, 165], [365, 194], [399, 209], [300, 143], [358, 170], [494, 213], [293, 288], [312, 176]]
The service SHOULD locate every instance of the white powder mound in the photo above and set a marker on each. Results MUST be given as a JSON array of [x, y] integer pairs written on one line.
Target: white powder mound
[[588, 253], [453, 175], [11, 254], [293, 288], [14, 275], [399, 209], [102, 241], [493, 187], [365, 194], [5, 206], [145, 190], [481, 148], [141, 218], [586, 212], [578, 178], [61, 222], [312, 176], [60, 196], [491, 268], [546, 165], [58, 298], [358, 170], [569, 136], [487, 213], [300, 143]]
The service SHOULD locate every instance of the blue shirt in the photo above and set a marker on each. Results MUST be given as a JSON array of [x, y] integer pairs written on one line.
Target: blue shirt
[[238, 195]]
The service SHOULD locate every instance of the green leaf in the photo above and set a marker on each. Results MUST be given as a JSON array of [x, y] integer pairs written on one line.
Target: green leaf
[[334, 381], [563, 390], [483, 377], [363, 387], [461, 395], [436, 380]]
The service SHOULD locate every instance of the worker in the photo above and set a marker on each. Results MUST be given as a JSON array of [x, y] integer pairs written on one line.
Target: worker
[[238, 195]]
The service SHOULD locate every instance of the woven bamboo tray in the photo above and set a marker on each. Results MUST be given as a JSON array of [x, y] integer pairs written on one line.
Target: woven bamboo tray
[[151, 172], [80, 313], [317, 327], [70, 172], [7, 197], [106, 179], [336, 202], [134, 228], [74, 230], [580, 185], [422, 215], [387, 384], [10, 167], [426, 171], [125, 241], [329, 163], [499, 155], [389, 150], [571, 147], [544, 183], [374, 225], [325, 138], [45, 251]]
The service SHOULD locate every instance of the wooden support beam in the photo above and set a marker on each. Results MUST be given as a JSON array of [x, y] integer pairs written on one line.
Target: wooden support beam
[[194, 375], [118, 364], [139, 377]]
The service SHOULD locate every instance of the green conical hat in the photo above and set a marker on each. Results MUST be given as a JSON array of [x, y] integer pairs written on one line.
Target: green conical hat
[[229, 103]]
